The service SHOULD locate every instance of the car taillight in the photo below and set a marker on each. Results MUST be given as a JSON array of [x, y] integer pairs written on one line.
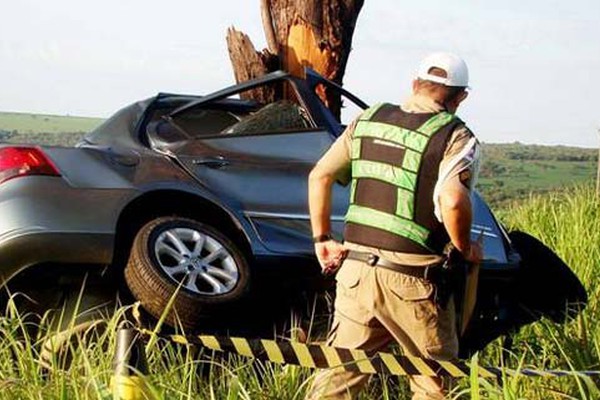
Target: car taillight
[[22, 161]]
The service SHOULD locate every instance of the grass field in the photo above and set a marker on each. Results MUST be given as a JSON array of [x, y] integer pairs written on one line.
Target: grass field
[[39, 123], [514, 171], [520, 178], [567, 221], [51, 130]]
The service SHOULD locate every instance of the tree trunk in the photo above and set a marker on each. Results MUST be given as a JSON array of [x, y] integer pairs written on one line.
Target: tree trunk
[[300, 33], [249, 64]]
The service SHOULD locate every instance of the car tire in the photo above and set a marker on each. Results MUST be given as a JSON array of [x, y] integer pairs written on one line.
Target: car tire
[[178, 256], [545, 285]]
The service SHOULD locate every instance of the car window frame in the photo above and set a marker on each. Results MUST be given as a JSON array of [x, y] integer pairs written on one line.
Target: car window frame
[[313, 79], [319, 115], [236, 90]]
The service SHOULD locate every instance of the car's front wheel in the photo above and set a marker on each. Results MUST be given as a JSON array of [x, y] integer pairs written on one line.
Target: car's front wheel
[[201, 267]]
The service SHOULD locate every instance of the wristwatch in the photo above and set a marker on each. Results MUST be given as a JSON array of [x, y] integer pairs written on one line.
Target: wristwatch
[[322, 238]]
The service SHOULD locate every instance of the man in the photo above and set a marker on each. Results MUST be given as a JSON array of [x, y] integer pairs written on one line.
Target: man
[[411, 169]]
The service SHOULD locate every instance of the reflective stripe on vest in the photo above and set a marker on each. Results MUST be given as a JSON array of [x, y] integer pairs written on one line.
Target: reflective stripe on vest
[[402, 176], [387, 222]]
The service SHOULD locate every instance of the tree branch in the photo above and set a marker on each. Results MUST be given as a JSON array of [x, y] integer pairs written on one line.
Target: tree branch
[[267, 20]]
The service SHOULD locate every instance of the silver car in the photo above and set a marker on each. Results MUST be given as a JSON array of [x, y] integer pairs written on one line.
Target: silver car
[[205, 197]]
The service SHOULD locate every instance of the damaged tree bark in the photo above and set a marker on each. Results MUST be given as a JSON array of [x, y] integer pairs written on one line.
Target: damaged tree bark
[[299, 33]]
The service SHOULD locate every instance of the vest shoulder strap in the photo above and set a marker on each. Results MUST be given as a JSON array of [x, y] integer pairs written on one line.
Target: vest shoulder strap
[[369, 112]]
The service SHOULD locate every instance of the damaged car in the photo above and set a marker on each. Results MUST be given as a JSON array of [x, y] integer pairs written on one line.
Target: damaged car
[[196, 199]]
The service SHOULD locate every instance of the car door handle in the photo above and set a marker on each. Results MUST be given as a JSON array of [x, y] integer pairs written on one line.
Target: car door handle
[[212, 162]]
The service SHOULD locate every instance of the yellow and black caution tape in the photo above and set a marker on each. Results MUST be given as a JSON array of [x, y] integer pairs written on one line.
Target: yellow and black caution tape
[[321, 356]]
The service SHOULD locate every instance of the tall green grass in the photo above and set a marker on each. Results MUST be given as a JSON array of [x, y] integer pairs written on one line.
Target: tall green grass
[[567, 221]]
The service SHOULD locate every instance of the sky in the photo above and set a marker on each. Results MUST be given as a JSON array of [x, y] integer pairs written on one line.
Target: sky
[[534, 64]]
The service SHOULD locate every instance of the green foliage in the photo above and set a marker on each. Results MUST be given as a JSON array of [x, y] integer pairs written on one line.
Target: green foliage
[[36, 123], [44, 129], [568, 221], [513, 171]]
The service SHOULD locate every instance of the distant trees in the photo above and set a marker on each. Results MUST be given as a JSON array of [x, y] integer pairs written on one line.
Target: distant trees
[[41, 138], [513, 171], [518, 151], [490, 168], [6, 135]]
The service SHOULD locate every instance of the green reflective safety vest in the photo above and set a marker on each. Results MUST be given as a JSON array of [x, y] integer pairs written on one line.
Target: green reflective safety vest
[[395, 164]]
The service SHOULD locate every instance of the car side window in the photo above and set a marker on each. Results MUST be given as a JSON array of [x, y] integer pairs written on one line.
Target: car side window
[[207, 121], [200, 122], [279, 116], [270, 108]]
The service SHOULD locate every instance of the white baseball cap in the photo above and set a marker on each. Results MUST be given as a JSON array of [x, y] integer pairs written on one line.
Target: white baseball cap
[[454, 66]]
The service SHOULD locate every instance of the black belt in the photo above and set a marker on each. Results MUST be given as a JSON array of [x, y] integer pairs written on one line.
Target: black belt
[[428, 272]]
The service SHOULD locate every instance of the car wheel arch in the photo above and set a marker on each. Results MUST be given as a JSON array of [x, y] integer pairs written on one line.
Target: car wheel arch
[[158, 203]]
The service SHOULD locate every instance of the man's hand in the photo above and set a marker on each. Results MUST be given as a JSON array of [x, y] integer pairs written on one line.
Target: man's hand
[[330, 255]]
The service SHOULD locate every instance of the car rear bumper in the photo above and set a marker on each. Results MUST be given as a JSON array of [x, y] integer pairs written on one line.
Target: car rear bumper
[[22, 248], [44, 220]]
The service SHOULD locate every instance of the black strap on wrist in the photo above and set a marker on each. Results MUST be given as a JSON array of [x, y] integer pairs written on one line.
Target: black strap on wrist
[[322, 238]]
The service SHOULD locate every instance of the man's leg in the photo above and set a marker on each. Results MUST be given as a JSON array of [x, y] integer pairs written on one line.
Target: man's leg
[[354, 327], [337, 383], [441, 343], [411, 316]]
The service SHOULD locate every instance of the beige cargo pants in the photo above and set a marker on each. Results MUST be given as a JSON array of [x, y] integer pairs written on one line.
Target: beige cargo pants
[[375, 306]]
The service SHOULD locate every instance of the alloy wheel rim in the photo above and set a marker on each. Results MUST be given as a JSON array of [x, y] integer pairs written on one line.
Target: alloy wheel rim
[[197, 261]]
